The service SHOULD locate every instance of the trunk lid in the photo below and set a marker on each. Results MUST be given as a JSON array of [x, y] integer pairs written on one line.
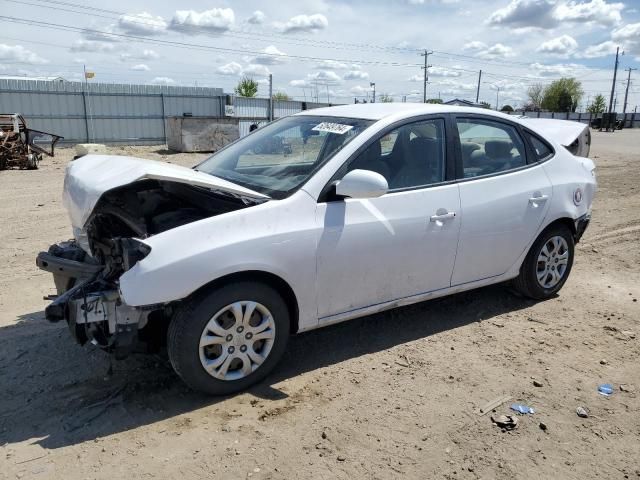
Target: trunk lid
[[575, 136], [89, 177]]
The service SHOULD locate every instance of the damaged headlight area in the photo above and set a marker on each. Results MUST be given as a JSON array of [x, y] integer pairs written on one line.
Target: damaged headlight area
[[89, 301], [87, 270]]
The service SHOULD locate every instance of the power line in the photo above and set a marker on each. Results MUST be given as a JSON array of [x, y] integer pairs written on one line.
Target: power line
[[173, 43]]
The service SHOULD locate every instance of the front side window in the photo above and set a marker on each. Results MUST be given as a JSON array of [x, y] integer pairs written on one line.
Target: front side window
[[277, 159], [412, 155], [489, 147]]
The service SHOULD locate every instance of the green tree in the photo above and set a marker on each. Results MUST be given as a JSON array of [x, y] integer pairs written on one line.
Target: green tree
[[535, 93], [246, 87], [506, 108], [562, 95], [281, 96], [485, 105], [434, 100], [598, 105], [385, 98]]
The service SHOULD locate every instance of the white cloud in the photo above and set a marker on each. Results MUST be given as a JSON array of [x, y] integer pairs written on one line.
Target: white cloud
[[629, 35], [416, 78], [524, 13], [562, 46], [443, 72], [163, 81], [271, 56], [474, 46], [141, 67], [360, 90], [257, 18], [600, 50], [142, 24], [496, 51], [146, 54], [304, 23], [299, 83], [17, 53], [257, 70], [594, 11], [325, 77], [334, 65], [102, 34], [355, 75], [92, 46], [546, 14], [628, 32], [233, 68], [560, 69], [216, 20]]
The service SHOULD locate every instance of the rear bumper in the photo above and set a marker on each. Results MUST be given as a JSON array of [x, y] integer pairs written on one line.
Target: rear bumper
[[581, 225]]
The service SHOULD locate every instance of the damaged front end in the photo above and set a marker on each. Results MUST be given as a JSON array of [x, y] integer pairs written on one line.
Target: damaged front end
[[87, 269]]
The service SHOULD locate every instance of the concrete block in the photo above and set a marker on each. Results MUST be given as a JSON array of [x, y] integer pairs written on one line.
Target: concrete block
[[201, 134], [90, 148]]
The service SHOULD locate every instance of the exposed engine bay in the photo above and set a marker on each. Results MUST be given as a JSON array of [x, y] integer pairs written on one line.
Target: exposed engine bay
[[87, 269]]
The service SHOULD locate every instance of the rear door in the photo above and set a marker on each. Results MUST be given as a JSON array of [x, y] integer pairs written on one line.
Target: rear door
[[504, 194]]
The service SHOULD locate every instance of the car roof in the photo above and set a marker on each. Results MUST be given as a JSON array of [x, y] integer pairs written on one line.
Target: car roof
[[378, 111]]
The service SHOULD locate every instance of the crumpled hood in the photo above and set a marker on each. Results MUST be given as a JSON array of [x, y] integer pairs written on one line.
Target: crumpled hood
[[87, 178]]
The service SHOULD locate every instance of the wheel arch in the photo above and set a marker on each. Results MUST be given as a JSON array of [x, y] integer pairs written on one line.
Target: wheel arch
[[268, 278], [566, 221]]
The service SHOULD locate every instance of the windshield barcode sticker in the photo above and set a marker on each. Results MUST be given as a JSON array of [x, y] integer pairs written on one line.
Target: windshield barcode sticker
[[338, 128]]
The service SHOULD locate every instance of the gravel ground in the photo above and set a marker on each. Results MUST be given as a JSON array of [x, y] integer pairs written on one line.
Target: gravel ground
[[395, 394]]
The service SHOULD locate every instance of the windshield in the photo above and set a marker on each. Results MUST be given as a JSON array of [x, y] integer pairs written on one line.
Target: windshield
[[277, 159]]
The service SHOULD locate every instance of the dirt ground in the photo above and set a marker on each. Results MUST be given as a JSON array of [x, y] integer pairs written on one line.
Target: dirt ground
[[387, 396]]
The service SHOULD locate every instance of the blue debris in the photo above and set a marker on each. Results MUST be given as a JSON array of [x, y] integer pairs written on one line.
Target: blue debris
[[605, 389], [524, 409]]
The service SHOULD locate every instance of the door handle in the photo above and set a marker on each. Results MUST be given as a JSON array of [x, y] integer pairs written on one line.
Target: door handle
[[539, 199], [444, 216]]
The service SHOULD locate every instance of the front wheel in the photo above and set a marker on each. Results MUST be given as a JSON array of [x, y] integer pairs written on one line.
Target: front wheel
[[227, 339], [547, 265]]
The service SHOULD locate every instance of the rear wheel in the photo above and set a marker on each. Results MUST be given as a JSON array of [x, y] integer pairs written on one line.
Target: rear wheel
[[547, 265], [229, 338]]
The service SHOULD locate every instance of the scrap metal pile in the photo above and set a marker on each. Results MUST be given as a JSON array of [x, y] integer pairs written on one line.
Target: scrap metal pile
[[23, 147]]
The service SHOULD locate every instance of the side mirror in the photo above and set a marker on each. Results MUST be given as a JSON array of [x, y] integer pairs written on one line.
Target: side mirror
[[362, 184]]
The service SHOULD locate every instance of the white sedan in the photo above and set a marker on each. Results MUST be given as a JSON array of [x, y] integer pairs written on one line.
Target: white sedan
[[316, 218]]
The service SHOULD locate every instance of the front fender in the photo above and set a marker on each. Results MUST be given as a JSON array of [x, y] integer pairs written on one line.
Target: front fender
[[276, 237]]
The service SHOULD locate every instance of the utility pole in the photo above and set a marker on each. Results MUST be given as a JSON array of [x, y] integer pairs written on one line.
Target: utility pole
[[497, 97], [373, 85], [478, 89], [613, 84], [426, 74], [626, 92], [270, 97]]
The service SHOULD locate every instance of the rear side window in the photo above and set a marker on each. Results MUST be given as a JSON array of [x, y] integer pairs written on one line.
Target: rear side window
[[489, 147], [540, 148]]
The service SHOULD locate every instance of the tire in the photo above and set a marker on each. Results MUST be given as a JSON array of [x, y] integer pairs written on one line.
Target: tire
[[558, 241], [216, 309]]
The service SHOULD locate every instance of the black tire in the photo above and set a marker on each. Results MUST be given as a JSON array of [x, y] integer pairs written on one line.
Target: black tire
[[527, 281], [190, 319]]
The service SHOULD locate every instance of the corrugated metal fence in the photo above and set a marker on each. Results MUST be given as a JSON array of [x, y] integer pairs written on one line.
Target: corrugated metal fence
[[631, 120], [131, 114]]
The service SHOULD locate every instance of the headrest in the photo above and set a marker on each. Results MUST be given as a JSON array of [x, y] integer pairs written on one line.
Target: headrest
[[468, 148], [425, 146], [498, 148]]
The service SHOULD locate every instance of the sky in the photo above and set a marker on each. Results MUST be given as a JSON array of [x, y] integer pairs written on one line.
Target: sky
[[331, 50]]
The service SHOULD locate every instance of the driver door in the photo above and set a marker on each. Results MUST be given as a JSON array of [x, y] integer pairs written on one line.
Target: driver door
[[401, 244]]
